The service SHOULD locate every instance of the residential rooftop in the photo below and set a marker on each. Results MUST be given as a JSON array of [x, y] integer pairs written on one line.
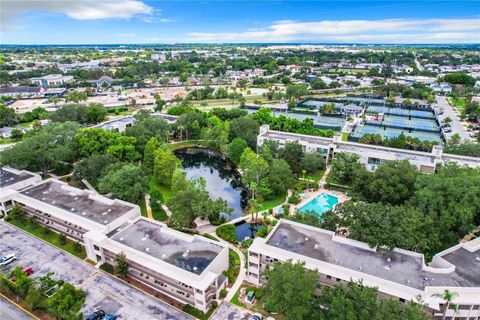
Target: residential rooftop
[[186, 252], [399, 266], [83, 203], [9, 177]]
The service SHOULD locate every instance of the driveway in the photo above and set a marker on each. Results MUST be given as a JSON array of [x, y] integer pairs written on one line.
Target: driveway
[[9, 311], [103, 291], [457, 126]]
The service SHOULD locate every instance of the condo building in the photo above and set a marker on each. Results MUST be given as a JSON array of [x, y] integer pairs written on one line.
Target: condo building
[[398, 274], [188, 269], [369, 155]]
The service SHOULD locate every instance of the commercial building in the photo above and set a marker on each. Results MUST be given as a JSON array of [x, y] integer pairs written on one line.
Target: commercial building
[[369, 155], [398, 274], [51, 80], [184, 267], [23, 92]]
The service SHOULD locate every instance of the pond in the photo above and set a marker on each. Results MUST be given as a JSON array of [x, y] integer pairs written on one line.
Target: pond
[[246, 230], [222, 180]]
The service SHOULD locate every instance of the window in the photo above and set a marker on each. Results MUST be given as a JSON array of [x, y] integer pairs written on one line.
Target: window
[[96, 247], [329, 277], [401, 300]]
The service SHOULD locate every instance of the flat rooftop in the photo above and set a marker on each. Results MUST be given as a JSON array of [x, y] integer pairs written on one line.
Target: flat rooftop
[[8, 178], [165, 244], [77, 201], [394, 266]]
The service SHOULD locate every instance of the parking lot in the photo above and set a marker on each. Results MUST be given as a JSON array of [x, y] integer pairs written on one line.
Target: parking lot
[[228, 311], [102, 290], [9, 311]]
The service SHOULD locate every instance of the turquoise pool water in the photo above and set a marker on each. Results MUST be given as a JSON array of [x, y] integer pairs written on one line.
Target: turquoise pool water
[[320, 204]]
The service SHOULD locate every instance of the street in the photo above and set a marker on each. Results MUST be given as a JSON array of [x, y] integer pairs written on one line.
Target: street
[[103, 291], [456, 124], [9, 311]]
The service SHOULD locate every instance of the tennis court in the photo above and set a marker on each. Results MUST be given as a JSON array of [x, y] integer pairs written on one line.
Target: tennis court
[[413, 123], [390, 133], [401, 112]]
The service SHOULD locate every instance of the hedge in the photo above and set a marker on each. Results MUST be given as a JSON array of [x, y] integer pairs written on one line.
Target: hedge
[[227, 232]]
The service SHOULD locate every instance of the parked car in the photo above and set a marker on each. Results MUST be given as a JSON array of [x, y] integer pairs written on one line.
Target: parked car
[[7, 259], [97, 315], [109, 316], [28, 270], [447, 129], [256, 316]]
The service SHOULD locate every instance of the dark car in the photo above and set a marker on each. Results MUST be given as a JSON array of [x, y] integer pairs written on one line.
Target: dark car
[[110, 316], [97, 315]]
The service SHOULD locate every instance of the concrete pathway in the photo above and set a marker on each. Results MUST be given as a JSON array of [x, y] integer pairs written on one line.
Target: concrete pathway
[[457, 126], [89, 186], [242, 273], [323, 181], [147, 206]]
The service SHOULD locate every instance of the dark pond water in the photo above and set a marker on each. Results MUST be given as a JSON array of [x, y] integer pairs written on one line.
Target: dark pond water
[[222, 181], [244, 229]]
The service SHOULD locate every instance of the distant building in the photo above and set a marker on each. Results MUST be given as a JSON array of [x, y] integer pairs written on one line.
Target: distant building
[[442, 87], [102, 82], [23, 92], [158, 56], [52, 80]]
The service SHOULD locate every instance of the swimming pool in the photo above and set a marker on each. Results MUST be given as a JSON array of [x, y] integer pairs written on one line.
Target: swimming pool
[[320, 204]]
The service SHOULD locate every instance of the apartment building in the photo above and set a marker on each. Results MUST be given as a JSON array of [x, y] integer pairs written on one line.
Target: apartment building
[[369, 155], [72, 211], [184, 267], [398, 274], [12, 180]]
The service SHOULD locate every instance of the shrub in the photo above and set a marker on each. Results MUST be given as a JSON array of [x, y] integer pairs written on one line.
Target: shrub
[[246, 243], [62, 239], [214, 304], [223, 293], [262, 232], [206, 235], [77, 247], [274, 222], [227, 232], [294, 199], [107, 267]]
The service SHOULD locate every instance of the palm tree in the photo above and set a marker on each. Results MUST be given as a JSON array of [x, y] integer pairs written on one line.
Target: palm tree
[[448, 297], [255, 207]]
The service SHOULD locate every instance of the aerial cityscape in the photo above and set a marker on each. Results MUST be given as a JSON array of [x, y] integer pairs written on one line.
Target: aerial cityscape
[[239, 160]]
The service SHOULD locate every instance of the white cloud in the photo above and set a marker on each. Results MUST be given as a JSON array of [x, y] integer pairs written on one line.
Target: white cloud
[[126, 35], [367, 31], [75, 9]]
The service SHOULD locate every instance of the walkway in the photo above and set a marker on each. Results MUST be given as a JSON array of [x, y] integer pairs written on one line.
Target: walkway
[[147, 206], [457, 126], [242, 273]]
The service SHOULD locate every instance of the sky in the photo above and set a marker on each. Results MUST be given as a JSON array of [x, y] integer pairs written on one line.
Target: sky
[[145, 21]]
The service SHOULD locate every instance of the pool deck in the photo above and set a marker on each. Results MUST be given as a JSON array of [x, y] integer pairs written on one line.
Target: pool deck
[[309, 194]]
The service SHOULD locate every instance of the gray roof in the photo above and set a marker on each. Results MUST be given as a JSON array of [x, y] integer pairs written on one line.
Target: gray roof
[[17, 90], [78, 202], [8, 178], [396, 266], [161, 243]]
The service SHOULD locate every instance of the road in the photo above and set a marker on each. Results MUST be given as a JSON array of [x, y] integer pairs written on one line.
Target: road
[[103, 291], [9, 311], [448, 111]]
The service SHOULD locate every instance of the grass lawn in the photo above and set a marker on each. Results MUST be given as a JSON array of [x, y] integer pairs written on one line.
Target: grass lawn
[[316, 176], [345, 136], [268, 204], [143, 207], [165, 191], [188, 143], [52, 237]]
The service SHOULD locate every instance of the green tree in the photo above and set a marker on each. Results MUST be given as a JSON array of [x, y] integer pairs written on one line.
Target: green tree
[[318, 83], [127, 183], [279, 177], [95, 113], [235, 149], [42, 149], [344, 166], [145, 127], [290, 290], [76, 96], [165, 165], [448, 297], [8, 117], [244, 128], [159, 104], [70, 112], [313, 161], [54, 99], [92, 168], [66, 303], [293, 154], [253, 167], [297, 90], [121, 265], [149, 155]]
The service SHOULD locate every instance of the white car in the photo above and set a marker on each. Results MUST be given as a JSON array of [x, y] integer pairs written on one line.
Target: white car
[[7, 259]]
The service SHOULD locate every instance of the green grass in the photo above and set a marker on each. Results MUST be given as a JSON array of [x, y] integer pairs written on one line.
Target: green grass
[[237, 302], [345, 136], [316, 176], [52, 237], [268, 204], [188, 143], [166, 191], [143, 207]]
